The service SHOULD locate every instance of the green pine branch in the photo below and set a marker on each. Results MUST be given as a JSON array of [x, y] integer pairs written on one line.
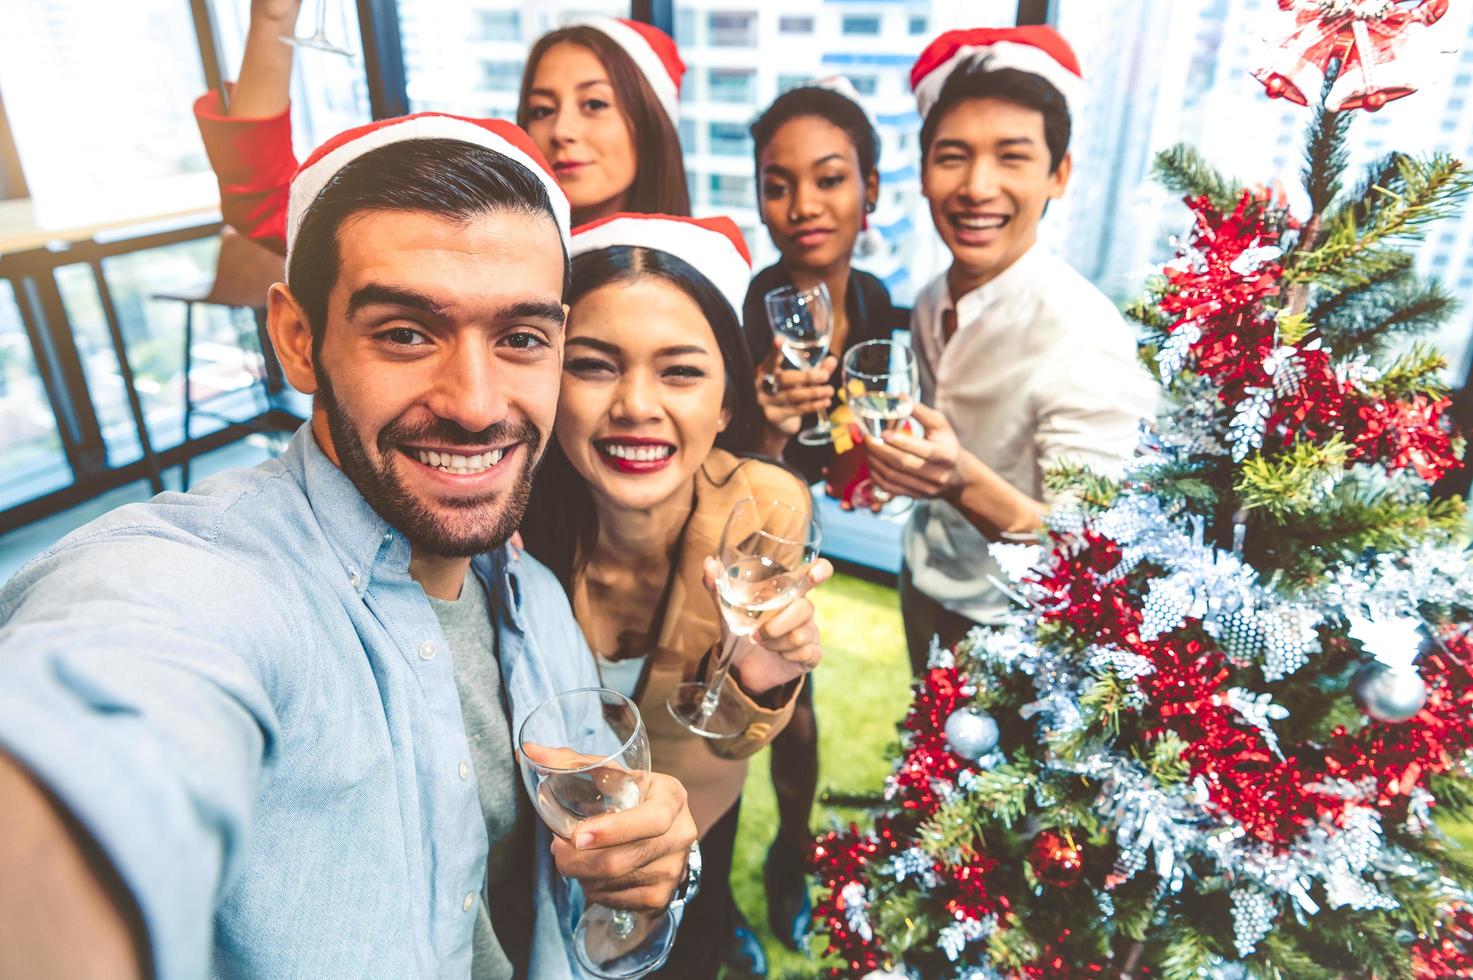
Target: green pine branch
[[1325, 157], [1354, 518], [1398, 305], [1182, 169], [1189, 954], [1079, 481], [1293, 480], [1359, 238], [1416, 372]]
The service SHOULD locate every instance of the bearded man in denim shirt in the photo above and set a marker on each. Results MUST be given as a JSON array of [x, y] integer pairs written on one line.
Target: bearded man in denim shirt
[[231, 740]]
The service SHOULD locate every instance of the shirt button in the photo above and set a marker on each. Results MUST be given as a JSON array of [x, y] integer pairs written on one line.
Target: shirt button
[[427, 650], [470, 901], [465, 771], [353, 579]]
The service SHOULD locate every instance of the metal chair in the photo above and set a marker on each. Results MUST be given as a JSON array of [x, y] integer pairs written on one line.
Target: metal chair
[[243, 273]]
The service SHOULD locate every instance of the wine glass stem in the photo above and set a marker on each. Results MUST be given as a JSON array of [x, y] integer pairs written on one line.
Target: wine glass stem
[[624, 922], [717, 681]]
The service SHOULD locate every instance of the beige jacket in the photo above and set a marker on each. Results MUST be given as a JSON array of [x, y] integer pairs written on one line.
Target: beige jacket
[[711, 771]]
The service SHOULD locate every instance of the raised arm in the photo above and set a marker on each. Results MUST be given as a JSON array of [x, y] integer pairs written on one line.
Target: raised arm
[[263, 87], [250, 142]]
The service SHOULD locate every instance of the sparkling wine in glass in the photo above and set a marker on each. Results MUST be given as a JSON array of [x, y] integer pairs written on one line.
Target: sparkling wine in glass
[[317, 40], [803, 318], [882, 381], [766, 549], [584, 753]]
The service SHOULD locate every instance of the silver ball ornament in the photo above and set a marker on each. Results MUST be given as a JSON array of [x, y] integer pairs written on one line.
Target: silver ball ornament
[[1390, 695], [971, 733]]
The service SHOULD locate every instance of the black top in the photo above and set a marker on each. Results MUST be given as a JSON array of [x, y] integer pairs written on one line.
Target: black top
[[871, 314]]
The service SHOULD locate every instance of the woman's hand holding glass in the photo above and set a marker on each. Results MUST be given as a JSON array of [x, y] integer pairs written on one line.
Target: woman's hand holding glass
[[767, 551], [786, 393], [785, 647]]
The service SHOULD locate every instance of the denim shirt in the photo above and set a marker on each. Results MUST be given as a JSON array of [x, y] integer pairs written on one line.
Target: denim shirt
[[246, 700]]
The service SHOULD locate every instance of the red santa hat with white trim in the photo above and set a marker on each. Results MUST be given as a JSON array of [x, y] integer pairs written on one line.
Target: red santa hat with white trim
[[493, 134], [653, 52], [1036, 49], [714, 247]]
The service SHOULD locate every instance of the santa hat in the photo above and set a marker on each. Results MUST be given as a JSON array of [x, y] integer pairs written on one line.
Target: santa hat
[[653, 52], [713, 246], [1035, 49], [493, 134]]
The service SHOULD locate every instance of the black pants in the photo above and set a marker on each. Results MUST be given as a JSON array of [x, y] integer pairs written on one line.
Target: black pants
[[709, 917], [924, 617]]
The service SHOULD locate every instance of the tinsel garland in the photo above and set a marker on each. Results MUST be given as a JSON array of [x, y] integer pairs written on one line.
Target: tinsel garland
[[1140, 599]]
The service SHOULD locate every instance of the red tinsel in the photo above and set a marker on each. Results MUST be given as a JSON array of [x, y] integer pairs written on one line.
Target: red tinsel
[[1221, 285], [1449, 951], [1409, 434]]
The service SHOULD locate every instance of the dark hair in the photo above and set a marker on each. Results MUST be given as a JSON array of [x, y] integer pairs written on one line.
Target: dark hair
[[659, 175], [977, 81], [821, 103], [561, 524], [444, 177]]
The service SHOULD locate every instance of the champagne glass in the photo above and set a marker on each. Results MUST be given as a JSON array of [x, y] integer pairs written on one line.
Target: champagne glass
[[882, 381], [766, 548], [804, 319], [317, 40], [583, 753]]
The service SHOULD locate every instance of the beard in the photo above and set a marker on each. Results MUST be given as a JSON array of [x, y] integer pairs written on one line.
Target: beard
[[455, 529]]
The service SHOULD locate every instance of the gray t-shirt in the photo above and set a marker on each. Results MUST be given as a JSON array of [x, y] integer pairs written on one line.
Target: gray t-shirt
[[500, 952]]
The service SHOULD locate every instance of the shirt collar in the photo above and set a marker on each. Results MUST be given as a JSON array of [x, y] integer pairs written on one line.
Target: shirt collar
[[366, 544], [1015, 277]]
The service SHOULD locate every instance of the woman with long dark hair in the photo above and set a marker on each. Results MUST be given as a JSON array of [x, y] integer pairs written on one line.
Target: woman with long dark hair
[[817, 180], [656, 422], [599, 98]]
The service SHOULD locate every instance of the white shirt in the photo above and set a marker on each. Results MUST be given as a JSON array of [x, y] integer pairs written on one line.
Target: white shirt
[[1042, 368]]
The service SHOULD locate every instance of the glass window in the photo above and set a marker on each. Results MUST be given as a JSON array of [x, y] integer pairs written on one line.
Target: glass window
[[33, 462], [730, 139], [500, 25], [502, 76], [731, 191], [1115, 222], [783, 58], [225, 361], [732, 30], [918, 25], [329, 92], [688, 135], [449, 49], [860, 25], [864, 84], [732, 85], [98, 96]]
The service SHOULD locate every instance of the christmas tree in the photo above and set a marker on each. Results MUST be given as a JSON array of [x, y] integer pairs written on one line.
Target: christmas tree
[[1239, 684]]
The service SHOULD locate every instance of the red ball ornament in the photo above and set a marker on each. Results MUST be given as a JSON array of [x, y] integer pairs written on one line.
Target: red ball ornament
[[1056, 860], [1275, 86], [1375, 101]]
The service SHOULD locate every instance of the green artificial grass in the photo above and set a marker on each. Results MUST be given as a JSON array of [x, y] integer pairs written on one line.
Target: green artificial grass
[[862, 690]]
